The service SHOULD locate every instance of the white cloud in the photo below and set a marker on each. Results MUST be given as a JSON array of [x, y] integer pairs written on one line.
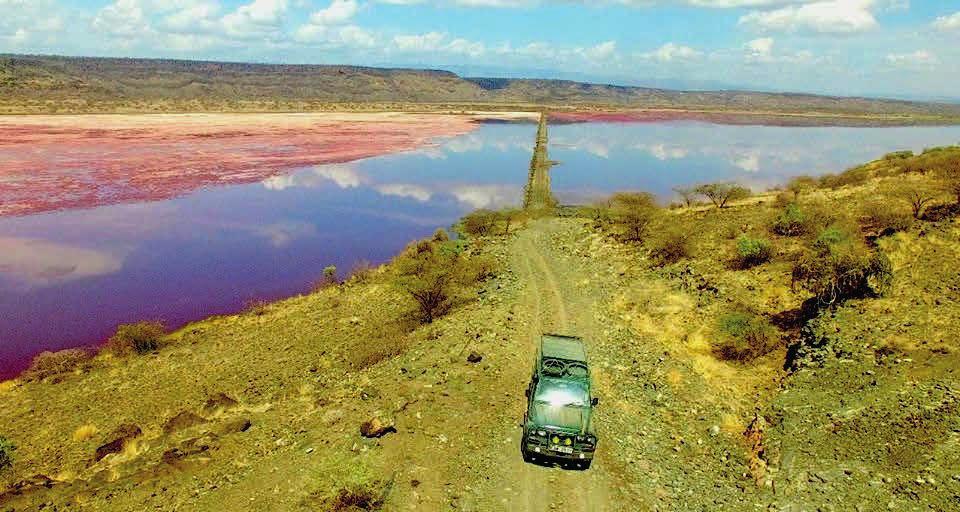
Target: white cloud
[[337, 13], [123, 18], [827, 17], [749, 162], [488, 196], [404, 190], [760, 50], [671, 52], [599, 53], [40, 262], [664, 152], [258, 19], [437, 42], [951, 22], [914, 59]]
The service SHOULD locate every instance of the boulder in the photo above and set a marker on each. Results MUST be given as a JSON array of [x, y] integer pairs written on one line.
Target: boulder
[[474, 357], [182, 421], [118, 439], [235, 426], [219, 401], [376, 427]]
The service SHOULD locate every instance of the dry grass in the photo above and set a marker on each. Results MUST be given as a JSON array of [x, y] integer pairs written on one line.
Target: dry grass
[[84, 432]]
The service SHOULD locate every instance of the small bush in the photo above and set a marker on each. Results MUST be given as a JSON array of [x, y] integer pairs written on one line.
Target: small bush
[[790, 222], [722, 193], [138, 338], [917, 195], [49, 364], [257, 307], [84, 432], [881, 218], [839, 267], [361, 272], [850, 177], [632, 213], [752, 251], [349, 489], [745, 337], [327, 279], [430, 272], [479, 223], [671, 245], [6, 453], [799, 184]]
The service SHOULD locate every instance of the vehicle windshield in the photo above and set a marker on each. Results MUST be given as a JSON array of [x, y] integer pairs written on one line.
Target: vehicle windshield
[[562, 393]]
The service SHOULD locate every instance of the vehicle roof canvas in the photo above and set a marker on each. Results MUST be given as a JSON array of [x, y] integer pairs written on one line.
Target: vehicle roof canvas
[[556, 346]]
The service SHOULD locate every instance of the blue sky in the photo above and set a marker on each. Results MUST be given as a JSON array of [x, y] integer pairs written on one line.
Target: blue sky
[[903, 48]]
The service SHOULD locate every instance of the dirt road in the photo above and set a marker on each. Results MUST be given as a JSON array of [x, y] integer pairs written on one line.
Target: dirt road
[[552, 300]]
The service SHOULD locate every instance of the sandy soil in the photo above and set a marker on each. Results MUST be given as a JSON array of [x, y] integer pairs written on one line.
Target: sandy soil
[[58, 162]]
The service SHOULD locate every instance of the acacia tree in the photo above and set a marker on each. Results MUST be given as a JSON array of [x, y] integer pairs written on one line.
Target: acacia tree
[[633, 212], [722, 193], [919, 196], [951, 177], [687, 194]]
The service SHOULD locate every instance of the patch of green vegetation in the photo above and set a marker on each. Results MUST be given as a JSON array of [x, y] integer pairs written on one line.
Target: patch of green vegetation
[[838, 266], [51, 364], [746, 336], [752, 251], [790, 222], [6, 453], [137, 338], [349, 486], [671, 244], [433, 271]]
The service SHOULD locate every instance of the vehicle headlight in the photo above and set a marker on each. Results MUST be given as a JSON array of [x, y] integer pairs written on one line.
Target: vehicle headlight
[[556, 440], [568, 441]]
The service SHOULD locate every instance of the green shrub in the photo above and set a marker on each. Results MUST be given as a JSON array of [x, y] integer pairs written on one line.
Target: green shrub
[[632, 214], [430, 271], [687, 195], [838, 266], [722, 193], [50, 364], [6, 453], [348, 486], [745, 337], [327, 279], [479, 223], [752, 251], [361, 272], [671, 245], [138, 338], [850, 177], [898, 155], [790, 222], [800, 184], [917, 195], [881, 218]]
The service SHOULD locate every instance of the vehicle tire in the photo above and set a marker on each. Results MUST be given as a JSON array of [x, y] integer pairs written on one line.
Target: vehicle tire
[[586, 464], [525, 454]]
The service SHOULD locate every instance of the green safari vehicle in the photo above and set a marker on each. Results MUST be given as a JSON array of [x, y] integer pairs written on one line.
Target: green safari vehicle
[[558, 426]]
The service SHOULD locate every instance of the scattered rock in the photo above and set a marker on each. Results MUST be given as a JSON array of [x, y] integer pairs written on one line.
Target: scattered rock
[[714, 431], [474, 357], [376, 428], [30, 484], [182, 421], [333, 416], [118, 439], [235, 426], [220, 401]]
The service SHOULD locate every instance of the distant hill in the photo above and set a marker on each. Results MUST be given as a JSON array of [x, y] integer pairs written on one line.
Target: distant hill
[[86, 84]]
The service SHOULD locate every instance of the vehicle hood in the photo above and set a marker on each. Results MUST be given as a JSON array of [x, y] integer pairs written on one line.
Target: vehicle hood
[[571, 418]]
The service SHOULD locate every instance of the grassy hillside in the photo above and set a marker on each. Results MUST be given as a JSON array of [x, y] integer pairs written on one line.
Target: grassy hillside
[[35, 84], [797, 349]]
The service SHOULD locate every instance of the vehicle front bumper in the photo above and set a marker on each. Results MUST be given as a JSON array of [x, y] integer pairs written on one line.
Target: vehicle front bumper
[[543, 450]]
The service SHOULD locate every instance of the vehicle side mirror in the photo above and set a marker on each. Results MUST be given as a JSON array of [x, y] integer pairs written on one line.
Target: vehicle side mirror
[[594, 401]]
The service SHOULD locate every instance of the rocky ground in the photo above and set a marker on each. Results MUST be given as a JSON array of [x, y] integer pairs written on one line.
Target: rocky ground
[[331, 400]]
